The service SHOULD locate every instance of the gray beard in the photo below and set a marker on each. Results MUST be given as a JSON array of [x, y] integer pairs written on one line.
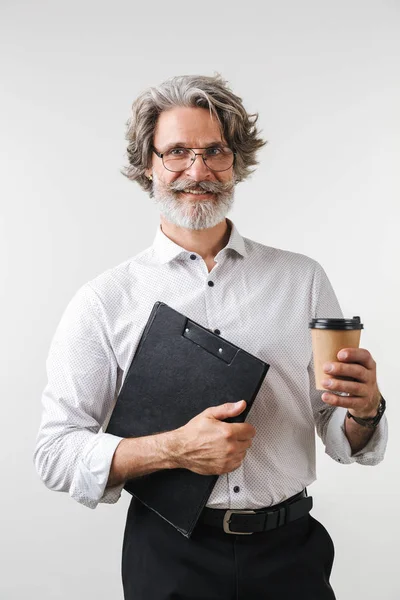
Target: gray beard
[[197, 214]]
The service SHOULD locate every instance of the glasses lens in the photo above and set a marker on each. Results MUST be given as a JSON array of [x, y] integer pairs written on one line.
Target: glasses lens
[[217, 158], [178, 159]]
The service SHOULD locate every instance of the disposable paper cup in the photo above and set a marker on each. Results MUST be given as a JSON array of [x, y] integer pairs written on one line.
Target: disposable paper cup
[[328, 337]]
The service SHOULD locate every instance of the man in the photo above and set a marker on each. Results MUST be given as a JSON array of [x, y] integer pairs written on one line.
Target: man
[[190, 142]]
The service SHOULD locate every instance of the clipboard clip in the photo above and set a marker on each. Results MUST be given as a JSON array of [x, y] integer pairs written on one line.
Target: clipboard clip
[[209, 341]]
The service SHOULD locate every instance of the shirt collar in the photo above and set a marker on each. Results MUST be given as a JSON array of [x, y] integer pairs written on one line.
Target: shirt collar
[[166, 250]]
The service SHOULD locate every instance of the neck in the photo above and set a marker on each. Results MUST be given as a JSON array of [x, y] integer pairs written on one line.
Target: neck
[[205, 242]]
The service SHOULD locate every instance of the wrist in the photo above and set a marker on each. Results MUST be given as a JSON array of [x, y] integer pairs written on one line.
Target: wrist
[[370, 422], [173, 449], [367, 414], [364, 415]]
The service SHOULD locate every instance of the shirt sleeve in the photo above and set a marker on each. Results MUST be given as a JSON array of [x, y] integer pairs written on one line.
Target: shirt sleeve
[[329, 420], [72, 453]]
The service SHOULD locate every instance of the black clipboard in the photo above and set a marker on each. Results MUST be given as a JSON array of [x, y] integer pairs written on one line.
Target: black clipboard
[[180, 368]]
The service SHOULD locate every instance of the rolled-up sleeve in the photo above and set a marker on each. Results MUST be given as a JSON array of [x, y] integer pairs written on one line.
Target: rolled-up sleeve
[[329, 420], [72, 453]]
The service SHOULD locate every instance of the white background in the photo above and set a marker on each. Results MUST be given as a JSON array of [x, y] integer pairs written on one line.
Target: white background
[[324, 77]]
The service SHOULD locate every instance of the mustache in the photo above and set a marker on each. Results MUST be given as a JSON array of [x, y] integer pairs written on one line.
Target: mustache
[[213, 187]]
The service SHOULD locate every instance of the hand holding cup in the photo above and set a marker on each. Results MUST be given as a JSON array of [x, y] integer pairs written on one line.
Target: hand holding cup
[[351, 381], [361, 389]]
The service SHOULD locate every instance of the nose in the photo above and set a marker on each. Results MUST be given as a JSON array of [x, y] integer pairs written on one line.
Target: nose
[[198, 170]]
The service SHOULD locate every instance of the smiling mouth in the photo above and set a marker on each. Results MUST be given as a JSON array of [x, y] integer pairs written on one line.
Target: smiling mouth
[[196, 192]]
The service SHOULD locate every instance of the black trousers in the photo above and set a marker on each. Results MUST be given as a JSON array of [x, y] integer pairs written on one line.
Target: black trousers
[[293, 562]]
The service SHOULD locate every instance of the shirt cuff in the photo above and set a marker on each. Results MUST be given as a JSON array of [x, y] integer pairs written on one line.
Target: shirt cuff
[[337, 445], [90, 479]]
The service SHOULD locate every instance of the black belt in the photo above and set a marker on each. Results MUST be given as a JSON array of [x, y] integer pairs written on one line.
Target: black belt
[[242, 522]]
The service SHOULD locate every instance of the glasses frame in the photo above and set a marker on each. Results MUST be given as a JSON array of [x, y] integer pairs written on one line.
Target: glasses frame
[[161, 155]]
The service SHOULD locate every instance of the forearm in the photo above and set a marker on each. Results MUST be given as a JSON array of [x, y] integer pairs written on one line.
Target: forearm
[[135, 457], [357, 435]]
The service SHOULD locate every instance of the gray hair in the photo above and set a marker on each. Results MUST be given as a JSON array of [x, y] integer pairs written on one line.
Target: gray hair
[[237, 126]]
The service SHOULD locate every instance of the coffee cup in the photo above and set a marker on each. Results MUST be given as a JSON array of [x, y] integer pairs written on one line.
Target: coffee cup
[[328, 337]]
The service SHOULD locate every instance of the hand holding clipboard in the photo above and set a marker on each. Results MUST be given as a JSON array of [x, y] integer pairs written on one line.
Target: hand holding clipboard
[[211, 446]]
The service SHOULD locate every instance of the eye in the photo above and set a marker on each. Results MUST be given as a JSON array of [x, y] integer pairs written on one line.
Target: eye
[[214, 151], [177, 152]]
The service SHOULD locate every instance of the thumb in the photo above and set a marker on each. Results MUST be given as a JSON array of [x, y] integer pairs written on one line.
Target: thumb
[[228, 409]]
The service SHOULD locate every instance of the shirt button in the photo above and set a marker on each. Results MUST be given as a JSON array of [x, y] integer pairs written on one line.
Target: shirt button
[[193, 256], [236, 488], [217, 331], [210, 283]]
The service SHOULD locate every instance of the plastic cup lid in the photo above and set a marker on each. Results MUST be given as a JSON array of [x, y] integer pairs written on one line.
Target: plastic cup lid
[[354, 323]]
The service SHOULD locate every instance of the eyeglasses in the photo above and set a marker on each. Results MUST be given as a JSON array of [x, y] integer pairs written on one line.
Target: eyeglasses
[[216, 158]]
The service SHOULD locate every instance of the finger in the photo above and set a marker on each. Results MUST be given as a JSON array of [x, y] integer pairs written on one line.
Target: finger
[[353, 370], [242, 431], [244, 445], [354, 388], [357, 355], [354, 402]]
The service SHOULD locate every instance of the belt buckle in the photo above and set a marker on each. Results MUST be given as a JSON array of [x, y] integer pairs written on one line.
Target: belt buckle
[[227, 517]]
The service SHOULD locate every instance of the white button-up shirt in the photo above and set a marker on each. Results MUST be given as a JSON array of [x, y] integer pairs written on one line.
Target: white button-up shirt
[[262, 300]]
